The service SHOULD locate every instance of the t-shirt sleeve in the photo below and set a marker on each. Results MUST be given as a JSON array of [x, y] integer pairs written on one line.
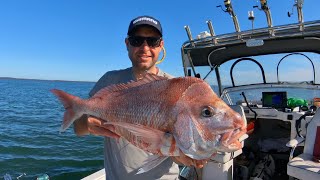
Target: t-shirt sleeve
[[111, 77], [102, 82]]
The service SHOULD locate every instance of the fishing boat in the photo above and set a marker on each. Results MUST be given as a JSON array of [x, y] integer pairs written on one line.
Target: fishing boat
[[251, 70], [271, 77]]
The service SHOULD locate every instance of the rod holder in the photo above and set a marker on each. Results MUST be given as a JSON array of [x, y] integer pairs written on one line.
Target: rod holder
[[299, 4], [210, 26], [187, 28]]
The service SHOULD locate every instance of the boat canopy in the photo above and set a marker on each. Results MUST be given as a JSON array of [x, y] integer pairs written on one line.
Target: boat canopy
[[215, 50]]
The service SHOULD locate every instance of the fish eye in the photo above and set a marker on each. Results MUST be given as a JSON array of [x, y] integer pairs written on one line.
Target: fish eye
[[207, 111]]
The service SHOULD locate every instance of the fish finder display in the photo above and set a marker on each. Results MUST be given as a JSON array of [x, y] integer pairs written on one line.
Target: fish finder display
[[276, 100]]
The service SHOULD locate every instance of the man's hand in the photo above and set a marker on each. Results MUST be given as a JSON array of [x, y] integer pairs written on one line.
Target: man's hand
[[187, 161], [91, 125], [97, 127]]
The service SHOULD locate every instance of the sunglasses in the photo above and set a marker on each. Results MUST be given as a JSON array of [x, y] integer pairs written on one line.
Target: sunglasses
[[137, 41]]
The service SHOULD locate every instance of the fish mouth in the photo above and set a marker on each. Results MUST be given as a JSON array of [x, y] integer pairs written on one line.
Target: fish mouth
[[231, 141]]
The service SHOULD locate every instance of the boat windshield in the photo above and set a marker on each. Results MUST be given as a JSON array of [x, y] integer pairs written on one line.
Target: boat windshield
[[296, 74]]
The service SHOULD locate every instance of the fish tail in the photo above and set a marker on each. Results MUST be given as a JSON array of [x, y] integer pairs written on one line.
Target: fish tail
[[70, 103]]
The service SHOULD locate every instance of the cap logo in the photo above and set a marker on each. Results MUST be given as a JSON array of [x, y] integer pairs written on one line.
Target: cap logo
[[145, 19]]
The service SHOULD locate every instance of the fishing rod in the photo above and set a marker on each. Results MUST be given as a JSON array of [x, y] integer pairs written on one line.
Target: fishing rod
[[229, 9], [299, 5], [264, 7]]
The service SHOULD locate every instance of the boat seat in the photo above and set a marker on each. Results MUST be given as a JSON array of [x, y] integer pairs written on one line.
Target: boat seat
[[303, 166]]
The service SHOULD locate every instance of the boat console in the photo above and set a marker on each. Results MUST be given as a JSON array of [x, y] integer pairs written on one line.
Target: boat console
[[292, 117], [275, 106]]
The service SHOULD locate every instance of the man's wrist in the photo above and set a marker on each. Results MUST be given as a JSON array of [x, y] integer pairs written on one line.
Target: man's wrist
[[81, 126]]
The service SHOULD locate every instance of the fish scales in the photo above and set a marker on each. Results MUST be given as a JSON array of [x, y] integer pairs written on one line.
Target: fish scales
[[137, 106]]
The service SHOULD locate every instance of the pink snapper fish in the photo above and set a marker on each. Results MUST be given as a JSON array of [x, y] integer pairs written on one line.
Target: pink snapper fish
[[162, 116]]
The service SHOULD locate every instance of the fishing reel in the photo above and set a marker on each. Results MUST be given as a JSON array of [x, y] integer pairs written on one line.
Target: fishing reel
[[229, 9], [298, 4], [227, 4], [264, 5]]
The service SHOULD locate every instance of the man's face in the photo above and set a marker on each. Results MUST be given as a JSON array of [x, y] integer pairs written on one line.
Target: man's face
[[144, 57]]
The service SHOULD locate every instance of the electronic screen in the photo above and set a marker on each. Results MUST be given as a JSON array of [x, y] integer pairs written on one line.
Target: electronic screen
[[274, 99]]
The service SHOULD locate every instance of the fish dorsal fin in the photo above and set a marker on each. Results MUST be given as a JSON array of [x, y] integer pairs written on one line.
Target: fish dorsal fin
[[147, 78]]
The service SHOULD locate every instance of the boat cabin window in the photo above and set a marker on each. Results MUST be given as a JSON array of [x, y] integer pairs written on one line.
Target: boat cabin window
[[296, 74]]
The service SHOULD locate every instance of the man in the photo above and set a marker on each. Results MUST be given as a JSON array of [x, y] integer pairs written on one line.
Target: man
[[122, 159]]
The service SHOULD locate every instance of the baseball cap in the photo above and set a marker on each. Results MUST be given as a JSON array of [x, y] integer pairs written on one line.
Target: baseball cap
[[144, 20]]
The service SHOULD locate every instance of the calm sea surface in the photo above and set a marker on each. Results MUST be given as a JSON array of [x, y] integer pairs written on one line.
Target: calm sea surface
[[30, 142]]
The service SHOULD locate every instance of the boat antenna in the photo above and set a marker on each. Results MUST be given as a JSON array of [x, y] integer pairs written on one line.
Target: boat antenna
[[264, 7], [298, 4], [229, 9], [251, 18], [253, 42]]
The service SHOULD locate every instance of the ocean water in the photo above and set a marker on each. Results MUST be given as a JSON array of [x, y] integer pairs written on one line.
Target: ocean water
[[30, 141]]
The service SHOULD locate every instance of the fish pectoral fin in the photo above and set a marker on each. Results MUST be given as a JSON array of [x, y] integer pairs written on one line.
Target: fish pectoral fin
[[150, 163], [147, 134]]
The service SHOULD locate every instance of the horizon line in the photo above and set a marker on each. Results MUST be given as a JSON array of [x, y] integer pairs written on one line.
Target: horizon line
[[58, 80]]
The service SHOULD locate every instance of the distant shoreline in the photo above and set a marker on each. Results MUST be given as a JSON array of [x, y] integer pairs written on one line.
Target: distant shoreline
[[12, 78]]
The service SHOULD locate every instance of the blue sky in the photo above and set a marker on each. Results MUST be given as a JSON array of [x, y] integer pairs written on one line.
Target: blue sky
[[82, 39]]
